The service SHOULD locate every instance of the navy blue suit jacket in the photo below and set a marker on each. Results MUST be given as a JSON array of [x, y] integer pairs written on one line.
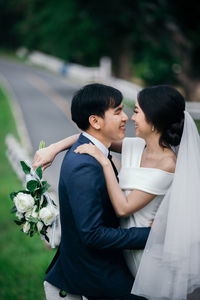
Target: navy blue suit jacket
[[90, 260]]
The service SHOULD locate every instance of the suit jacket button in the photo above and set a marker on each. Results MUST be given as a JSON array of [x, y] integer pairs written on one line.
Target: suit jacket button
[[62, 294]]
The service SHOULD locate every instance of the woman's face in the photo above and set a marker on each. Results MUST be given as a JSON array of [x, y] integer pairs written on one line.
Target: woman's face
[[142, 128]]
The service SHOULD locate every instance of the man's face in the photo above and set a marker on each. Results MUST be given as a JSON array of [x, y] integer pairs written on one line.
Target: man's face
[[113, 124]]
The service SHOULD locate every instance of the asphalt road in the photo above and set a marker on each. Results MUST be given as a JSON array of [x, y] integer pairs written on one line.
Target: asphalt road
[[44, 99]]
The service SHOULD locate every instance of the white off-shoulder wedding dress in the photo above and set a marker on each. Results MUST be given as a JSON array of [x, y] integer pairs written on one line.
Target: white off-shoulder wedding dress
[[150, 180]]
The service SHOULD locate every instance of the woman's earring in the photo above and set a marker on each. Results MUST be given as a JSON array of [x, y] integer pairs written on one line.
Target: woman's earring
[[152, 128]]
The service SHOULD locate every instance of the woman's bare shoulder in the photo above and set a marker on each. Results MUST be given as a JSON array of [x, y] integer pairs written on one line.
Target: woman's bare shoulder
[[168, 162]]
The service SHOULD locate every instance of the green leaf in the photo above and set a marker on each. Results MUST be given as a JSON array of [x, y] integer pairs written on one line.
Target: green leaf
[[33, 220], [53, 202], [46, 238], [19, 222], [12, 195], [44, 230], [32, 229], [13, 209], [23, 191], [45, 187], [42, 144], [45, 202], [38, 171], [37, 201], [25, 168], [32, 185], [32, 233]]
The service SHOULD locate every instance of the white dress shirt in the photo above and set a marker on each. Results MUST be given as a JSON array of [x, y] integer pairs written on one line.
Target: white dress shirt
[[97, 143]]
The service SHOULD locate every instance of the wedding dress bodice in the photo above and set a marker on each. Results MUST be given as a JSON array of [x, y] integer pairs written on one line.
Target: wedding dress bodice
[[150, 180]]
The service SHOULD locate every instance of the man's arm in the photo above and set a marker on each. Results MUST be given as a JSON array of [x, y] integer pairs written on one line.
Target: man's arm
[[84, 189]]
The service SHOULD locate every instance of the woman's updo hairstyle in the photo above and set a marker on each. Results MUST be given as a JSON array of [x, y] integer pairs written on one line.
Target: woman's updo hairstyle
[[164, 107]]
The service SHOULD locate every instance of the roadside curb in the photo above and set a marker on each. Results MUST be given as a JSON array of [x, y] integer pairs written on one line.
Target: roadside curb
[[18, 115]]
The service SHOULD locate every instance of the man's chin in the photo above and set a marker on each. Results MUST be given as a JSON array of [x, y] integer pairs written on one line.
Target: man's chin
[[121, 136]]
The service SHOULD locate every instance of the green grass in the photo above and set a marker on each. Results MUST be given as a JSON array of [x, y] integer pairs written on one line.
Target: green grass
[[198, 125], [23, 260]]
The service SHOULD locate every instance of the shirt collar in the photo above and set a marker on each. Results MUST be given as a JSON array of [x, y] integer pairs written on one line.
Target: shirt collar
[[97, 143]]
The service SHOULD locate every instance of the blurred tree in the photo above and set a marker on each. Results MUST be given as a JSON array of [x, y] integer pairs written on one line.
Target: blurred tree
[[11, 12], [185, 43], [172, 53], [158, 40], [117, 30], [61, 28]]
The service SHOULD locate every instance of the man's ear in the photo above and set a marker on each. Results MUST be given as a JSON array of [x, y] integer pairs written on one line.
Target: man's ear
[[94, 122]]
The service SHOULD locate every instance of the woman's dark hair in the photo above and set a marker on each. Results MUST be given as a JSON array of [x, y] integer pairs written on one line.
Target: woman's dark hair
[[164, 107], [93, 99]]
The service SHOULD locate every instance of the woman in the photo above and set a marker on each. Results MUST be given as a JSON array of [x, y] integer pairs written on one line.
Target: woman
[[148, 164]]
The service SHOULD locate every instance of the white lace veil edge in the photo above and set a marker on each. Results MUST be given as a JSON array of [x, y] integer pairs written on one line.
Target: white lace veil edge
[[170, 265]]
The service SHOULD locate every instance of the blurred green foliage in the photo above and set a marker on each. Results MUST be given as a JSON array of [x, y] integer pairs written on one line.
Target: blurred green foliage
[[155, 40]]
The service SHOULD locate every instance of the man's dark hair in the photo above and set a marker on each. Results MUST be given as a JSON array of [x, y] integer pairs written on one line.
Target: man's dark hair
[[93, 99]]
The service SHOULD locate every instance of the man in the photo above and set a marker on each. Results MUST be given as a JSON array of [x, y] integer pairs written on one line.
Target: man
[[90, 258]]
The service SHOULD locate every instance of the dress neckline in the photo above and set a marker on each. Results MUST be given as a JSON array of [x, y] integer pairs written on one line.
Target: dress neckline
[[143, 147]]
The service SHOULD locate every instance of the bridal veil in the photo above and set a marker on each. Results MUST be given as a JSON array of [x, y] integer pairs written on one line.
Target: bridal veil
[[170, 265]]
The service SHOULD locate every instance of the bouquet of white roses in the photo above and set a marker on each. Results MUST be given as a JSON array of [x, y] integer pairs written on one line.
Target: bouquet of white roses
[[34, 209]]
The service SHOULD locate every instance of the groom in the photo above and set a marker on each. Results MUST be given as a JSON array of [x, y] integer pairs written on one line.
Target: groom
[[90, 258]]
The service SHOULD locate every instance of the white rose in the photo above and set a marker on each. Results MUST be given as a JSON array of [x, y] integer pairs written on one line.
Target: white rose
[[48, 214], [26, 227], [19, 215], [39, 225], [23, 202], [28, 214]]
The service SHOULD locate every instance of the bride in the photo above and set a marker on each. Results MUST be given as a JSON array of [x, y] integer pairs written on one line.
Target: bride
[[155, 184]]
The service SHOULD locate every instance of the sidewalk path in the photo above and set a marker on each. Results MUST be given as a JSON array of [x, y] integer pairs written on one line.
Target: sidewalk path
[[194, 109], [44, 100]]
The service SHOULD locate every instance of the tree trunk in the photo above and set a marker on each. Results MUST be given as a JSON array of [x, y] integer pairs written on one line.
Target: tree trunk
[[122, 59], [183, 50], [191, 87]]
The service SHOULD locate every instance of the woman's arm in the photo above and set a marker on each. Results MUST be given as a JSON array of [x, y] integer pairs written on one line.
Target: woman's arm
[[123, 205], [45, 156]]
